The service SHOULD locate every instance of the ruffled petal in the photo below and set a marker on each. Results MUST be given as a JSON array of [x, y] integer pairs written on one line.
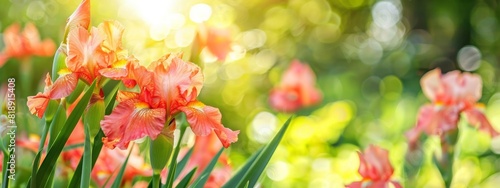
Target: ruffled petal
[[437, 119], [38, 103], [203, 119], [82, 55], [122, 96], [113, 73], [81, 16], [375, 164], [463, 87], [477, 118], [432, 85], [63, 86], [118, 70], [176, 79], [113, 30], [131, 120]]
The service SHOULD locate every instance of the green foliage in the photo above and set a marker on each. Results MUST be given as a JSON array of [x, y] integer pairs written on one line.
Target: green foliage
[[202, 179], [53, 153], [253, 172], [119, 177]]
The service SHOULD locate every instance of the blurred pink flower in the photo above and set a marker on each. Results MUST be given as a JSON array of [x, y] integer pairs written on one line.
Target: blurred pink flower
[[296, 89], [450, 94], [171, 87], [24, 44], [217, 40], [375, 168]]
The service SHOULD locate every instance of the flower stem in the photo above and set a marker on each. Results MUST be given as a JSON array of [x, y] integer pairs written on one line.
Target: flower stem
[[156, 180]]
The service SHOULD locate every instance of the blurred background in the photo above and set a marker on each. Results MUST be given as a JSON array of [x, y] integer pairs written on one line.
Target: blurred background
[[368, 57]]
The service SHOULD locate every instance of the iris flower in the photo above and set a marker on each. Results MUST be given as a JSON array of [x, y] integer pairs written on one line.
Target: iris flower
[[217, 40], [168, 87], [375, 168], [451, 94], [91, 55], [24, 44], [296, 89]]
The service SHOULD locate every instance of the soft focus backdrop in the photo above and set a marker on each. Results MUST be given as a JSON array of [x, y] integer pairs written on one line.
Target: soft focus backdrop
[[368, 57]]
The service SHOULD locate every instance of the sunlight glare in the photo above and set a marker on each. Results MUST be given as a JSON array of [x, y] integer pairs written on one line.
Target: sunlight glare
[[200, 13]]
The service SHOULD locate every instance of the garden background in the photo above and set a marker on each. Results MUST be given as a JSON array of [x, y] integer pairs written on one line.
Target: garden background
[[368, 57]]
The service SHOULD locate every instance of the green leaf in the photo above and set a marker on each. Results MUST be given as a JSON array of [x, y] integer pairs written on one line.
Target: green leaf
[[96, 150], [51, 110], [62, 137], [87, 159], [202, 179], [58, 63], [173, 163], [184, 182], [77, 92], [109, 100], [36, 162], [57, 123], [73, 146], [253, 173], [235, 180], [183, 162], [119, 177], [5, 179]]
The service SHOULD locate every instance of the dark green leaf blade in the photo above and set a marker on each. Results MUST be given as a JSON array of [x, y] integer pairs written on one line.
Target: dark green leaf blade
[[87, 159], [183, 162], [184, 182], [260, 164], [235, 180], [253, 173], [62, 137], [202, 179], [173, 164], [96, 149], [119, 177]]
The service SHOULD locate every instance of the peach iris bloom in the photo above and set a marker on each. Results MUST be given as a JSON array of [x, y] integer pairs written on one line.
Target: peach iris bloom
[[451, 94], [296, 89], [90, 56], [375, 168], [62, 87], [168, 86], [24, 44], [97, 53]]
